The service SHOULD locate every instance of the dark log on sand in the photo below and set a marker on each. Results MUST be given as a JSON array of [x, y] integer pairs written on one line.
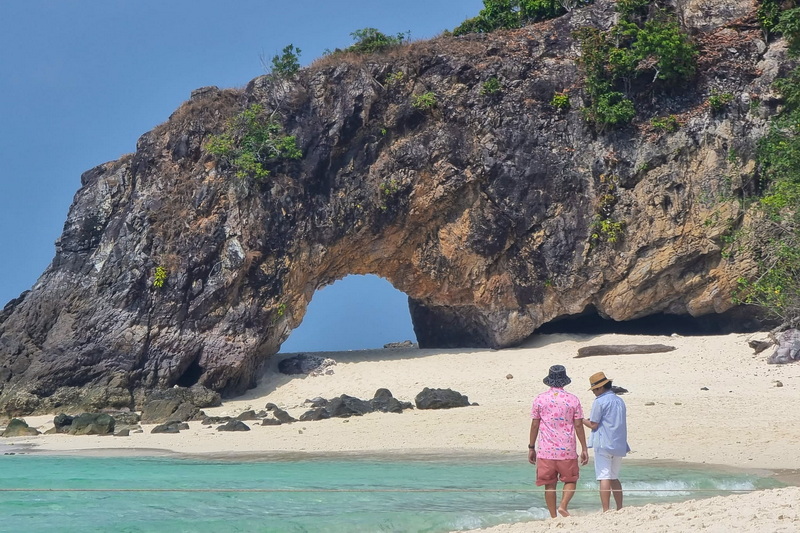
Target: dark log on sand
[[622, 349]]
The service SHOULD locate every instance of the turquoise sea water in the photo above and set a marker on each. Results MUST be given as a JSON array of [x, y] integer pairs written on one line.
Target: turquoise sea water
[[433, 494]]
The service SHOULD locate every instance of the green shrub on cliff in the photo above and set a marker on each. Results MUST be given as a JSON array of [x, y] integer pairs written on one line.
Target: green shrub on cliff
[[560, 101], [287, 64], [369, 40], [252, 142], [510, 14], [776, 237], [424, 101], [789, 26], [610, 109], [768, 15], [604, 226], [160, 277], [668, 124], [641, 51], [667, 47], [717, 101], [491, 87]]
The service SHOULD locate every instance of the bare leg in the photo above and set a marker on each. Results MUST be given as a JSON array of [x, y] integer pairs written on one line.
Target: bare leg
[[566, 496], [616, 488], [550, 498], [605, 493]]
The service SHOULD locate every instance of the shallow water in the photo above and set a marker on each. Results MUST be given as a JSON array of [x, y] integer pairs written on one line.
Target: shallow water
[[433, 494]]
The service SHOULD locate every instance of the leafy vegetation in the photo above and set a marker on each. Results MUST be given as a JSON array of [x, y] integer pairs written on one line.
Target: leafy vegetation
[[641, 51], [789, 26], [510, 14], [252, 143], [394, 78], [287, 63], [370, 40], [424, 101], [490, 87], [160, 277], [717, 101], [669, 123], [604, 227], [611, 109], [776, 238], [768, 15], [388, 189], [560, 101]]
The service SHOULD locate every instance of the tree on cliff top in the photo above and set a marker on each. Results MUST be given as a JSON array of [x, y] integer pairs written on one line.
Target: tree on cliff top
[[510, 14]]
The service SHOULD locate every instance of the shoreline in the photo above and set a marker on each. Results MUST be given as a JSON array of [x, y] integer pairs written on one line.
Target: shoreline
[[694, 404], [788, 477], [710, 403]]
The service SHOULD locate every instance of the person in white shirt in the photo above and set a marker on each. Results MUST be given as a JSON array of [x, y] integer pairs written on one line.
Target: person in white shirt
[[609, 438]]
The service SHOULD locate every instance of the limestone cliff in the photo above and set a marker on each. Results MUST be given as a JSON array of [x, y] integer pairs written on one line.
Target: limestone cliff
[[481, 209]]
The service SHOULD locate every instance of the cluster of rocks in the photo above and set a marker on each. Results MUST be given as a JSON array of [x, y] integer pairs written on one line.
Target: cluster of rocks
[[178, 404], [171, 410], [343, 406], [119, 424]]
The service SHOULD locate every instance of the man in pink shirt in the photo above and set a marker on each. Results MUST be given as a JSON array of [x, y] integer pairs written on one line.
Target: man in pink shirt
[[557, 417]]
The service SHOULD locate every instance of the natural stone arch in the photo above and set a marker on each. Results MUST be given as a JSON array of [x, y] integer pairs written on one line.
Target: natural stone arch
[[481, 209]]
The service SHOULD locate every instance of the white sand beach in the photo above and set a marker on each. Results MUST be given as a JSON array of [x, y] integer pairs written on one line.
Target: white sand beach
[[710, 401]]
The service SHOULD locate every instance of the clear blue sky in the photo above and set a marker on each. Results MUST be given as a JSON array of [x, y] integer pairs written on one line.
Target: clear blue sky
[[81, 80]]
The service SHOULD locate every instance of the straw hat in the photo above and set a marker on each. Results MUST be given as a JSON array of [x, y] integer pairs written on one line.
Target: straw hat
[[557, 377], [597, 380]]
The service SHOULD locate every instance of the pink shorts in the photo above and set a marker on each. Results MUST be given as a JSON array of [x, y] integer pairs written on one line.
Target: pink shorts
[[550, 471]]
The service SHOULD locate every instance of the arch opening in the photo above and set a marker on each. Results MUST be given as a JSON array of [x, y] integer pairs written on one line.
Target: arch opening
[[358, 312]]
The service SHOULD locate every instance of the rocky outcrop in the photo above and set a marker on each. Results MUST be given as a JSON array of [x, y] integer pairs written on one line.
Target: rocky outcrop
[[177, 404], [92, 424], [19, 428], [440, 399], [234, 425], [279, 414], [345, 406], [480, 208], [172, 426]]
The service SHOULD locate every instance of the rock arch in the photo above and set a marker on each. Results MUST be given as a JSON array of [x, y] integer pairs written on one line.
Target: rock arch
[[482, 210]]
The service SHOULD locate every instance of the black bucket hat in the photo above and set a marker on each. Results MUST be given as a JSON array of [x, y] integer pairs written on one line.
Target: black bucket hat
[[557, 377]]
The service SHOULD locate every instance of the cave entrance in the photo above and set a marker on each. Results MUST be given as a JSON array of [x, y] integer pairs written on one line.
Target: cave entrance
[[592, 323], [191, 375], [358, 312]]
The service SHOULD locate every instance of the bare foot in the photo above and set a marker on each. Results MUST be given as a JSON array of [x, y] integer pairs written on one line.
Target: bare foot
[[563, 512]]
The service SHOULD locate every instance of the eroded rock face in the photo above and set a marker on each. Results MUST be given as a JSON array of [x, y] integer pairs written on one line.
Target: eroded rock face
[[480, 209]]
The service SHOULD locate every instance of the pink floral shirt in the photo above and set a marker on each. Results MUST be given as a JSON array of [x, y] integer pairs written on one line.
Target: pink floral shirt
[[557, 409]]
